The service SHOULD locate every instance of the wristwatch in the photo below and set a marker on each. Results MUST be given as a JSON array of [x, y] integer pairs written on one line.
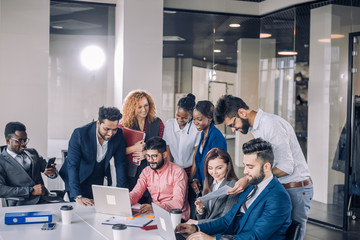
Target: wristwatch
[[31, 189], [77, 197]]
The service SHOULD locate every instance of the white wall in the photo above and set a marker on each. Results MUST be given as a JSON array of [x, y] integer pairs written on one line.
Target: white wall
[[138, 49], [24, 51]]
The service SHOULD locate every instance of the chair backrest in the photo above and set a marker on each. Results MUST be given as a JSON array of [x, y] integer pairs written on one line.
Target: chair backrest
[[2, 148], [293, 231]]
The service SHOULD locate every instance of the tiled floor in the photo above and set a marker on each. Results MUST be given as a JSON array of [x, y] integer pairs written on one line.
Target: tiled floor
[[315, 232]]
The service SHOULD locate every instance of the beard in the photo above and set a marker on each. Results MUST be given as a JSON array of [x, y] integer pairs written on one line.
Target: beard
[[258, 179], [158, 165], [245, 126]]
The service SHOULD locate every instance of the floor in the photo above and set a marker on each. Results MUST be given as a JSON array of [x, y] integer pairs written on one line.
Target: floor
[[315, 232]]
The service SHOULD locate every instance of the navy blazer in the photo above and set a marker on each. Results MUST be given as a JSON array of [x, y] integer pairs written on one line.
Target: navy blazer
[[268, 217], [214, 139], [81, 158]]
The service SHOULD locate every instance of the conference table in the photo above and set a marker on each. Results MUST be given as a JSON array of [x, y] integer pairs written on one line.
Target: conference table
[[86, 224]]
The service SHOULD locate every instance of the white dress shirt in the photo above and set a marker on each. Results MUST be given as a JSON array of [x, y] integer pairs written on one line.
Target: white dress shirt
[[101, 149], [181, 142], [288, 156], [24, 155]]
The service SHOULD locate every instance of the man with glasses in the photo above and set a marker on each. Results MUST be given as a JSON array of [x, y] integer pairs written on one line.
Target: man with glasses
[[165, 180], [88, 160], [21, 168], [289, 164]]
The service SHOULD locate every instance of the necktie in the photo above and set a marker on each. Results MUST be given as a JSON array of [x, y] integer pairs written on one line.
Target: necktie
[[22, 161], [249, 197]]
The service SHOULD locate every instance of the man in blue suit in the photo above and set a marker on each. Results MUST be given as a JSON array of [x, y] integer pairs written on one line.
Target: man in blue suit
[[263, 210], [88, 161]]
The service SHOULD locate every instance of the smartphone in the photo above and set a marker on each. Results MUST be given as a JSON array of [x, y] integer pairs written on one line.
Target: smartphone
[[50, 161], [48, 226]]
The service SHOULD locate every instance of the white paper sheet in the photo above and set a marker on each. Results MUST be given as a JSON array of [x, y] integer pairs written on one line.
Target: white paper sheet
[[218, 193]]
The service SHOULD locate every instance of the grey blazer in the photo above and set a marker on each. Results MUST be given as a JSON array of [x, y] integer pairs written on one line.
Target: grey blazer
[[15, 181], [218, 207]]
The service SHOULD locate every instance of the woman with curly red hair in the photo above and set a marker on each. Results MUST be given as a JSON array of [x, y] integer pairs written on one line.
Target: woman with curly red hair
[[139, 114]]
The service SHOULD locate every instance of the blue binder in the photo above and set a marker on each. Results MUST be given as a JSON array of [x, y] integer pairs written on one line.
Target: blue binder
[[28, 217]]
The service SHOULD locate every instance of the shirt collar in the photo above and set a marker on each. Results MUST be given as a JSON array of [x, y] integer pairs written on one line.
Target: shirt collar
[[258, 116], [164, 168], [97, 141], [11, 153], [265, 182]]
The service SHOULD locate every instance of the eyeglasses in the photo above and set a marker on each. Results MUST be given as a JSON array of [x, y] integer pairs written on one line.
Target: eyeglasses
[[233, 124], [152, 156], [21, 141]]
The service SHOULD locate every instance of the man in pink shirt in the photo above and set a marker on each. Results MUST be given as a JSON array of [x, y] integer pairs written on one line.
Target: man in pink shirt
[[166, 181]]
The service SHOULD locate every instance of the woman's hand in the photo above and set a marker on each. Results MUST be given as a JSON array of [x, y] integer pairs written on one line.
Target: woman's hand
[[200, 208], [195, 186], [139, 146]]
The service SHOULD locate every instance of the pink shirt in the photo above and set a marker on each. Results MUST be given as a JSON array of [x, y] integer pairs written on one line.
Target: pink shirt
[[168, 188]]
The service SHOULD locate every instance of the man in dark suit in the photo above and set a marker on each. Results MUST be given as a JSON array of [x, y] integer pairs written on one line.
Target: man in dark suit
[[263, 210], [21, 167], [88, 161]]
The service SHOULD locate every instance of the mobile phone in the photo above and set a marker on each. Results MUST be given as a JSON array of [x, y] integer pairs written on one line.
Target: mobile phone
[[50, 161], [48, 226]]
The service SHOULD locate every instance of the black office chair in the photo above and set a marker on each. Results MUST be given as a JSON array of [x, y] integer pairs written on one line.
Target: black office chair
[[2, 148], [293, 231]]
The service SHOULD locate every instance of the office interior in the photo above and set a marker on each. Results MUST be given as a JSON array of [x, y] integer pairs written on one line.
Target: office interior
[[297, 59]]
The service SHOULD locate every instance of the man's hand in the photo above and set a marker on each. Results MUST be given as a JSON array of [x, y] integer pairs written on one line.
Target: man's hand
[[39, 190], [84, 201], [195, 186], [200, 236], [51, 170], [185, 228], [146, 208], [239, 186]]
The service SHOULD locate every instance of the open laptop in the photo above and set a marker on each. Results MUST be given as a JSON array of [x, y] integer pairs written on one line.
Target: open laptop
[[112, 200], [164, 224]]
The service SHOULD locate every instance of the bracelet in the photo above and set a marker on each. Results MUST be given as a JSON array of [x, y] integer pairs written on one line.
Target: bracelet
[[197, 229]]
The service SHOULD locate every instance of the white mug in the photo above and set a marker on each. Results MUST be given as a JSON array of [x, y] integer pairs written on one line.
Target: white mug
[[175, 217]]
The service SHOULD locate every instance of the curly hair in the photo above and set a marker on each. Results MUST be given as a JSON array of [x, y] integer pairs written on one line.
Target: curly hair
[[131, 102]]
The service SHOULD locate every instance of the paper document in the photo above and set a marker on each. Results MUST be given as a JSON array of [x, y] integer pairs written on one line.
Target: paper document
[[218, 193], [128, 221]]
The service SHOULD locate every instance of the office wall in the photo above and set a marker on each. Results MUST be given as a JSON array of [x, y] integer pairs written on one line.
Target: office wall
[[24, 51]]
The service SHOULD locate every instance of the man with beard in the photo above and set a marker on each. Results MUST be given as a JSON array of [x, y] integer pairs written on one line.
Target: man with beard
[[165, 180], [289, 163], [88, 161], [21, 168], [263, 210]]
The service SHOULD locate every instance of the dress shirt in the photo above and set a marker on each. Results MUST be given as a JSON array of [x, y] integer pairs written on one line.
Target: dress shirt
[[288, 155], [215, 186], [182, 142], [261, 187], [24, 155], [101, 149], [167, 187]]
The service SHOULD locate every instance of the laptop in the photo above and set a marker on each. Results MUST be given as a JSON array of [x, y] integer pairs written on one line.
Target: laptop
[[165, 227], [112, 200]]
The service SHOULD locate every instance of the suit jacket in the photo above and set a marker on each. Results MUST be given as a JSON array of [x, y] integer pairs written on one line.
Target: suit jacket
[[81, 158], [214, 139], [220, 206], [15, 181], [268, 217]]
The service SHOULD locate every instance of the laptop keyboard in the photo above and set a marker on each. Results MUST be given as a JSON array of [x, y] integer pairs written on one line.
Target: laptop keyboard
[[179, 236]]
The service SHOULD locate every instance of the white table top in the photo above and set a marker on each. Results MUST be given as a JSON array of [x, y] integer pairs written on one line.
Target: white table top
[[86, 224]]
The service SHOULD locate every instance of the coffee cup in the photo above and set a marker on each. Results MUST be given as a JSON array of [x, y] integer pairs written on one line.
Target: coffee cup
[[175, 217], [119, 232], [66, 212]]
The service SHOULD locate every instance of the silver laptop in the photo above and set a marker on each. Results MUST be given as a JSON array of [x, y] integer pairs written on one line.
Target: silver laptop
[[164, 224], [112, 200]]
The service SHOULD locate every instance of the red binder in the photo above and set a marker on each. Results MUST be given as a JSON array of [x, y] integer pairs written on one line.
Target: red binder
[[131, 137]]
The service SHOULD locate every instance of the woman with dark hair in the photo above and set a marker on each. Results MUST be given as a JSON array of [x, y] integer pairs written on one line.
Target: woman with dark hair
[[211, 137], [181, 135], [219, 171], [139, 114]]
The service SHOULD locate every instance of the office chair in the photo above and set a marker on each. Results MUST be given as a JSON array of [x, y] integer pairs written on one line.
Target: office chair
[[293, 231]]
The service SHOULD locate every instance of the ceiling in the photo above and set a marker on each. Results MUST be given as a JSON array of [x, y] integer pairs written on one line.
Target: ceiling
[[199, 33]]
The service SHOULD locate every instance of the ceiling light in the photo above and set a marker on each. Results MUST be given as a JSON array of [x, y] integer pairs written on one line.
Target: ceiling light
[[173, 38], [57, 27], [324, 40], [169, 12], [217, 51], [337, 35], [92, 57], [219, 40], [287, 53], [234, 25], [265, 35]]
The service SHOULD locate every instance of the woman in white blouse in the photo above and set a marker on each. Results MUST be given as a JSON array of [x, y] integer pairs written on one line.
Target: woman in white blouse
[[181, 135]]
